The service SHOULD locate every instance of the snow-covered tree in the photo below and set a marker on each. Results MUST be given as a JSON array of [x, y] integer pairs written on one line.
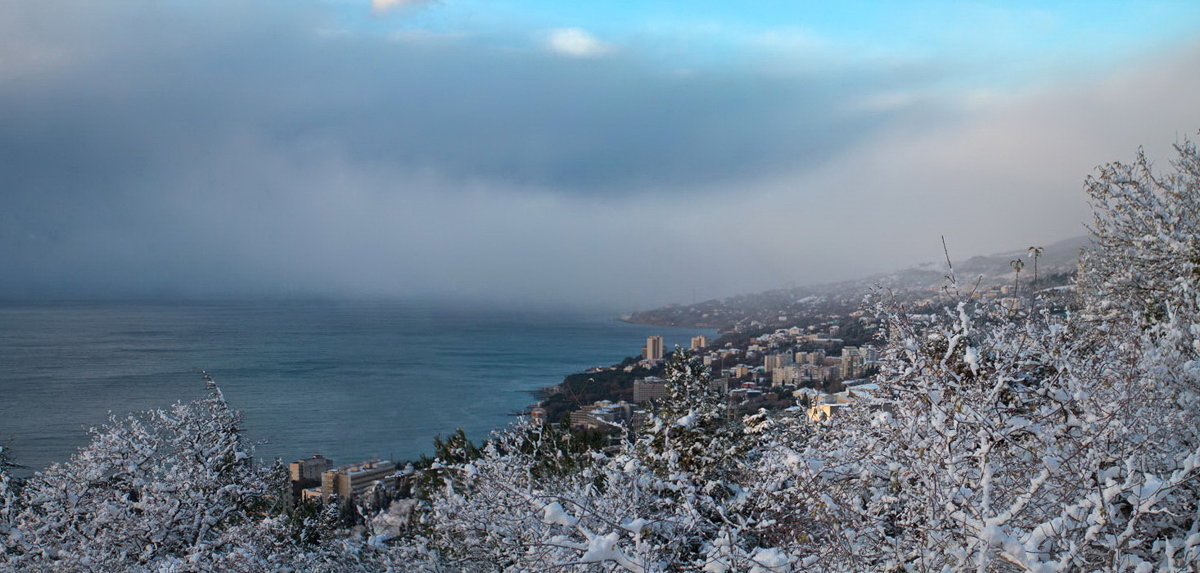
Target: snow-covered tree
[[8, 496], [1020, 442], [503, 511], [691, 430], [1027, 441], [151, 488], [1145, 262], [172, 490], [699, 452], [1140, 282], [1002, 445]]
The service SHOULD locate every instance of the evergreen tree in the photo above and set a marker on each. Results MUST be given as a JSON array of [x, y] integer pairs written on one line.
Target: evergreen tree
[[691, 429]]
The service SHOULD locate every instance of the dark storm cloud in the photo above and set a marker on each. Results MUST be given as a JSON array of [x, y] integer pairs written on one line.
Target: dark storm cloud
[[169, 85], [250, 148], [149, 146]]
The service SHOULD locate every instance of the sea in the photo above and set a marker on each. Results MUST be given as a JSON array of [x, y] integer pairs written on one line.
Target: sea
[[348, 380]]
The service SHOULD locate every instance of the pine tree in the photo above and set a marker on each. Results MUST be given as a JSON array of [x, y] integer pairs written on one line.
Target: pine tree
[[692, 429]]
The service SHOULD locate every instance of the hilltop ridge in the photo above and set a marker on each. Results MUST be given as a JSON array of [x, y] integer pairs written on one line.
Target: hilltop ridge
[[778, 307]]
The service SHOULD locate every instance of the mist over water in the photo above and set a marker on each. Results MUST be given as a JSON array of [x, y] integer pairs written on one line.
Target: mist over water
[[349, 380]]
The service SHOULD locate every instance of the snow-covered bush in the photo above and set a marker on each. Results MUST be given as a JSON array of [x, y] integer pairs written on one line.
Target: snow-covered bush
[[171, 490], [1145, 262], [499, 512], [1000, 446], [697, 454], [154, 488]]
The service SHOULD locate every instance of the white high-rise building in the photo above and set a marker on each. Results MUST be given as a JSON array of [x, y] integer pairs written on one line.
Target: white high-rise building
[[654, 348], [774, 361]]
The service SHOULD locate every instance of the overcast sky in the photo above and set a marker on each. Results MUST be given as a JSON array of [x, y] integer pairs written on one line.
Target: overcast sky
[[626, 154]]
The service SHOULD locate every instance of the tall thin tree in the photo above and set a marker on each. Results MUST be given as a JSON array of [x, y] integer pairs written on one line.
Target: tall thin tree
[[1036, 253], [1017, 265]]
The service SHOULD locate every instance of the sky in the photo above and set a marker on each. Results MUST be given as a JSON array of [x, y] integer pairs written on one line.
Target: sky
[[623, 154]]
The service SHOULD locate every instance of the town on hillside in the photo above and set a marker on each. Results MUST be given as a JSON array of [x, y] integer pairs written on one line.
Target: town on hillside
[[803, 352], [809, 349]]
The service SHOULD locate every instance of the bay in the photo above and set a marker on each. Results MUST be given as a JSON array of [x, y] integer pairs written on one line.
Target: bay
[[349, 380]]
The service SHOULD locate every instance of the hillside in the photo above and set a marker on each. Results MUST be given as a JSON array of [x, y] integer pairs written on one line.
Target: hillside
[[780, 307]]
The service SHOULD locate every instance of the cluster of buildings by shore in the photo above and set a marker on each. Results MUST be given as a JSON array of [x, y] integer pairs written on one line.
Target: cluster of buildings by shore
[[315, 479], [774, 369], [767, 369], [814, 370], [781, 368]]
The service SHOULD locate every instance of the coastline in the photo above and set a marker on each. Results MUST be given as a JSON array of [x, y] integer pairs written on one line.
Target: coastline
[[632, 319], [297, 372]]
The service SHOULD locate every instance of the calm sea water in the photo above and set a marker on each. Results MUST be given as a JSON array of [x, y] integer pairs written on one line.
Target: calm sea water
[[347, 380]]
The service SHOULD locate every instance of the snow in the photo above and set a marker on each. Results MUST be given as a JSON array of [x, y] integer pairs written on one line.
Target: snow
[[971, 357], [769, 560], [553, 513], [687, 421], [635, 526]]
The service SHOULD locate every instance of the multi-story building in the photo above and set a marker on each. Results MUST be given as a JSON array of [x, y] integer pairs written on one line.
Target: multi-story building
[[786, 375], [604, 415], [309, 470], [654, 388], [852, 361], [855, 360], [653, 349], [649, 388], [811, 372], [699, 342], [815, 357], [349, 482], [305, 477], [774, 361]]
